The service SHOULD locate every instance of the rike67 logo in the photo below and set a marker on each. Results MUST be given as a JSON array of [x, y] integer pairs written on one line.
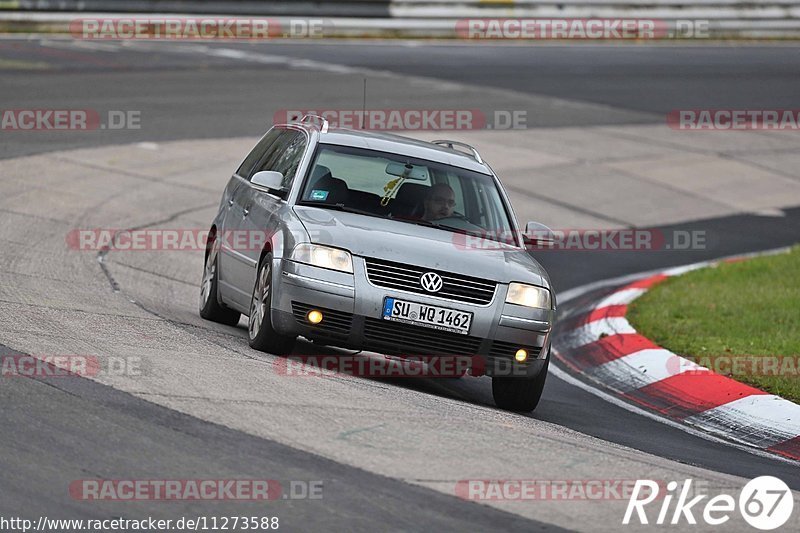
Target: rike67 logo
[[766, 503]]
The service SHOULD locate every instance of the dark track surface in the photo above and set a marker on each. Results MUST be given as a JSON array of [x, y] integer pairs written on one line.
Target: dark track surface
[[651, 79], [109, 431], [189, 95]]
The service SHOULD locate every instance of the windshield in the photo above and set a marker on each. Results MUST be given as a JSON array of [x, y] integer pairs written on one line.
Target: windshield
[[406, 189]]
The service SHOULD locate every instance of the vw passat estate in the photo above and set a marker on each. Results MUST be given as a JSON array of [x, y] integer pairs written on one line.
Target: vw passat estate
[[379, 242]]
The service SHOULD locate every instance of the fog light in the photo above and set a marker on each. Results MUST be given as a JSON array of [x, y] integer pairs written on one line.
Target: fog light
[[314, 316], [521, 355]]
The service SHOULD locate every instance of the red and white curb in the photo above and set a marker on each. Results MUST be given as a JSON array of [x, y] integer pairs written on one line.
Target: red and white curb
[[603, 346]]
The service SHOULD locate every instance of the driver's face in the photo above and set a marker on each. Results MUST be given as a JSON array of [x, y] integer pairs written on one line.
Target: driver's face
[[440, 203]]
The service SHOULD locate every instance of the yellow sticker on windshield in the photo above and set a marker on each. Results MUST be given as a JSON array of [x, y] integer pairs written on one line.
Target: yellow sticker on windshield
[[389, 188]]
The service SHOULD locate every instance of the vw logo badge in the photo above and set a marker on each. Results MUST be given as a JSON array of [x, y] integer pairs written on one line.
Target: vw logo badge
[[431, 282]]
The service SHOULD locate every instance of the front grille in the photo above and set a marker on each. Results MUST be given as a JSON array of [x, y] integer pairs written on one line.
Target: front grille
[[335, 322], [507, 350], [405, 339], [390, 275]]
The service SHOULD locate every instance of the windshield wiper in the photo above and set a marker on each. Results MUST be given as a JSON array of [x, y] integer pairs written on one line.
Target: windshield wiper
[[432, 224], [340, 207], [453, 229]]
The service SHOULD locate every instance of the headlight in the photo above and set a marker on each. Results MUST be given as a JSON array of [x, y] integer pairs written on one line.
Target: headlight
[[528, 295], [323, 256]]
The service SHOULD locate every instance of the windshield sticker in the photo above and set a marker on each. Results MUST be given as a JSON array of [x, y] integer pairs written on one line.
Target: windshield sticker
[[317, 194], [389, 188]]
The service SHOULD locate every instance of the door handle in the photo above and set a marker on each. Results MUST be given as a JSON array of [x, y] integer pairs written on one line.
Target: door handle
[[230, 201], [246, 211]]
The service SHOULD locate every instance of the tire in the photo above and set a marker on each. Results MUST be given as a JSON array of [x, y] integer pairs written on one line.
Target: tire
[[262, 336], [519, 394], [210, 308]]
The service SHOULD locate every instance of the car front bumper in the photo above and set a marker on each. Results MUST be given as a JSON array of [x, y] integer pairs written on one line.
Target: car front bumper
[[352, 307]]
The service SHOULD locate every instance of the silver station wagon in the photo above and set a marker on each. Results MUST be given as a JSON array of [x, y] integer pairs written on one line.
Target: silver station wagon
[[381, 243]]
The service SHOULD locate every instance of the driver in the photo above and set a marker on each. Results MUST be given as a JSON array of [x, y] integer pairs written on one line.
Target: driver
[[439, 202]]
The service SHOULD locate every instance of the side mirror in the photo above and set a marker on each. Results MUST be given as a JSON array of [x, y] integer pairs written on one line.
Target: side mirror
[[268, 179], [539, 235]]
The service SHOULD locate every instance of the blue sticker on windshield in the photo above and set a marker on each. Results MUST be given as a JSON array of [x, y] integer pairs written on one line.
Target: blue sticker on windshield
[[317, 194]]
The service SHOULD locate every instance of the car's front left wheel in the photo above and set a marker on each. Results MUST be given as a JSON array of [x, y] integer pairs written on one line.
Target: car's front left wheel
[[519, 394], [262, 335]]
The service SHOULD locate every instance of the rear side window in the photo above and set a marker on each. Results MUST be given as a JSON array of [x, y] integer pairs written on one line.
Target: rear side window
[[288, 162], [257, 153], [284, 155]]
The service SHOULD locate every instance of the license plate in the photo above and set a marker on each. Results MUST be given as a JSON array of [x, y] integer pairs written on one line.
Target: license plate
[[429, 316]]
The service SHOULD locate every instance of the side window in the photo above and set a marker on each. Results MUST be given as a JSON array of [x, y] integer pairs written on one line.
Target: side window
[[289, 160], [284, 155], [255, 155]]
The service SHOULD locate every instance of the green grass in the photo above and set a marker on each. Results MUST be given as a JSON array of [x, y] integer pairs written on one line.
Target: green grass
[[743, 310]]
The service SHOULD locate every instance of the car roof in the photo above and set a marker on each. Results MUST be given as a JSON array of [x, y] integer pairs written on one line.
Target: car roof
[[397, 144]]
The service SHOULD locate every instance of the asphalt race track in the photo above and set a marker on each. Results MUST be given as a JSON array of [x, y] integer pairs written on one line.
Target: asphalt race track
[[389, 453]]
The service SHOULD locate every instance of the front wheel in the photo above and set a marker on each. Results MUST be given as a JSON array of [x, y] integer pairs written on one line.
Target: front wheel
[[519, 394], [262, 335]]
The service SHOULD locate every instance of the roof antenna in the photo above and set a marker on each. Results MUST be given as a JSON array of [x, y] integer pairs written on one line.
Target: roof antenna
[[364, 104]]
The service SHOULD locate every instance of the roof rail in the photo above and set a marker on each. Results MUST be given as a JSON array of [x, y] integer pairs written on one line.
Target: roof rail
[[322, 121], [452, 144]]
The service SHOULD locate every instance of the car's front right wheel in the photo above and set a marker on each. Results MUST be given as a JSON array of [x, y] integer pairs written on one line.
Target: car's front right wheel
[[261, 334], [519, 394]]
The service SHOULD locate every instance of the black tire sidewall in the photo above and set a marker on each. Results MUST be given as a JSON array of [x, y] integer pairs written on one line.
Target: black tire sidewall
[[212, 309], [267, 339], [520, 394]]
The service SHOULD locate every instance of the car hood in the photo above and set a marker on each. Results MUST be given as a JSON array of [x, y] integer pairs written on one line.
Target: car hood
[[412, 244]]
